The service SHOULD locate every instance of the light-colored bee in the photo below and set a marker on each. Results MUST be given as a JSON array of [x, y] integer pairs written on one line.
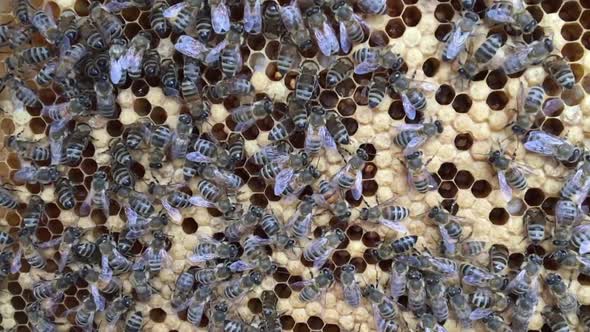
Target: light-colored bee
[[560, 71], [116, 309], [528, 104], [169, 78], [527, 277], [29, 250], [511, 175], [132, 61], [419, 177], [209, 248], [413, 136], [109, 25], [155, 254], [197, 303], [246, 115], [213, 275], [384, 307], [373, 7], [34, 174], [85, 312], [398, 278], [377, 91], [577, 184], [456, 40], [485, 302], [350, 176], [28, 150], [386, 214], [320, 249], [234, 86], [139, 280], [39, 319], [313, 288], [322, 31], [495, 323], [411, 92], [43, 21], [7, 199], [555, 319], [350, 286], [550, 145], [369, 59], [294, 24], [567, 302], [513, 14], [288, 57], [351, 26], [535, 221], [527, 55], [219, 16], [218, 314], [307, 81], [253, 17], [235, 230], [498, 258], [97, 196], [180, 16], [237, 288], [428, 323], [470, 67]]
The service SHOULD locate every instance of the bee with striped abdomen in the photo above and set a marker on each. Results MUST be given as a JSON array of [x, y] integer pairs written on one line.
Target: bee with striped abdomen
[[411, 93], [39, 319], [560, 71], [209, 248], [550, 145], [295, 26], [85, 313], [351, 26], [413, 136], [197, 303], [234, 86], [567, 302], [28, 150], [288, 56], [350, 176], [54, 288], [386, 214], [457, 38], [307, 81], [369, 59], [513, 14], [320, 249], [116, 309], [237, 288], [246, 115], [134, 322], [339, 70], [271, 19], [182, 290], [155, 254], [33, 174], [526, 55], [314, 287], [44, 23], [419, 177], [511, 175], [535, 221], [29, 250], [97, 196]]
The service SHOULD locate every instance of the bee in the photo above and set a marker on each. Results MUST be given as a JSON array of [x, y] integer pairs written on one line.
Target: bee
[[6, 262], [35, 55], [416, 292], [271, 321], [299, 224], [527, 276], [580, 239], [317, 132], [33, 174], [38, 318], [270, 152], [112, 261], [151, 63], [351, 26], [377, 91], [158, 21], [513, 14], [22, 10], [7, 200], [570, 260], [155, 255], [271, 17], [337, 129], [159, 138], [577, 184], [246, 115], [76, 143], [22, 93], [28, 150], [283, 168], [457, 38], [134, 322], [528, 105], [32, 215], [69, 59], [248, 221], [46, 74], [555, 319], [219, 16], [209, 248], [560, 71], [5, 239], [234, 86], [139, 279], [117, 63], [559, 148], [253, 17], [71, 236], [584, 316], [495, 323], [567, 302], [43, 22], [169, 78], [485, 302], [419, 177], [307, 81], [210, 276], [136, 134], [97, 196], [92, 36], [535, 220], [116, 309], [297, 113], [85, 313], [67, 24], [350, 176], [218, 316], [398, 278], [189, 90], [413, 98], [338, 71], [85, 251], [369, 59], [181, 137], [197, 304], [510, 174], [312, 288], [105, 99], [108, 24], [237, 288], [435, 291], [17, 38], [295, 26], [350, 287], [288, 56], [203, 28], [29, 250], [54, 288], [527, 55], [229, 51], [429, 323], [132, 61], [236, 147], [322, 30], [301, 180], [320, 249], [567, 214], [460, 304], [413, 136], [119, 152], [383, 306], [373, 7], [387, 214], [498, 258], [182, 291]]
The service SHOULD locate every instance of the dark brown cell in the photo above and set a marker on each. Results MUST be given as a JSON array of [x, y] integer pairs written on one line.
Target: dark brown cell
[[536, 12], [585, 19], [88, 166], [578, 70], [411, 16], [395, 28], [570, 11], [445, 94], [157, 315], [259, 200], [257, 184], [130, 14], [142, 106], [378, 39], [269, 194], [444, 13], [340, 257], [328, 99], [551, 6], [272, 72], [534, 196], [346, 107], [584, 279], [448, 189], [81, 7], [272, 49], [573, 96], [291, 80], [430, 67], [497, 100], [345, 88], [158, 115], [255, 305], [499, 216], [75, 175], [33, 188], [394, 7], [447, 171], [189, 226], [496, 79], [586, 40], [315, 323], [572, 51], [515, 260], [287, 322], [131, 29], [256, 42], [442, 30], [14, 288], [571, 31], [462, 103], [585, 3], [114, 128], [371, 239], [481, 189], [464, 179], [370, 187], [396, 110], [37, 125], [553, 126], [551, 87], [331, 328], [464, 141]]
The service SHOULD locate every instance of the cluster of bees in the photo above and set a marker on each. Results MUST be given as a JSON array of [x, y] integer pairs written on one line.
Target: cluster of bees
[[88, 59]]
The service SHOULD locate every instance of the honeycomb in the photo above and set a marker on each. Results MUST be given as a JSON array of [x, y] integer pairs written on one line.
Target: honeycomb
[[474, 119]]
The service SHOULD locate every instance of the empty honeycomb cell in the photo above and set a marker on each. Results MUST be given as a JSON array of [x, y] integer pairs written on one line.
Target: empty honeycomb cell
[[75, 175], [131, 29], [157, 315], [297, 139], [12, 218], [340, 257], [572, 51], [447, 171], [496, 79], [21, 318], [394, 7], [361, 95], [315, 323], [445, 94], [140, 88], [586, 40], [497, 100], [516, 207], [499, 216], [536, 12], [573, 96], [378, 39], [396, 110], [462, 103], [534, 196], [328, 99], [570, 11], [346, 107], [395, 28], [55, 226], [130, 14], [13, 161], [549, 205], [18, 303], [115, 128], [442, 30], [88, 166], [370, 170], [345, 88], [481, 189], [444, 12], [585, 3], [584, 279], [464, 179], [515, 260], [46, 96], [7, 126], [260, 200], [158, 115], [255, 306], [33, 188], [553, 126], [551, 87], [463, 141], [142, 106], [371, 239], [411, 16], [287, 322], [272, 49], [256, 42], [578, 70], [370, 187], [430, 67], [571, 31], [81, 7], [331, 328], [551, 6], [52, 210], [447, 189], [14, 288], [189, 226], [37, 125]]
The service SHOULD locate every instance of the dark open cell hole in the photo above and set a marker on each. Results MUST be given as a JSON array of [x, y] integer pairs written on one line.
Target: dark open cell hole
[[585, 19], [445, 94], [158, 115], [256, 42], [33, 188], [37, 125], [369, 171], [551, 6], [535, 249], [496, 79], [570, 11], [464, 179], [572, 51], [534, 196], [272, 72], [411, 16], [259, 200], [189, 226], [114, 128], [462, 103], [497, 100], [52, 210], [481, 189], [345, 88], [354, 232], [551, 87], [447, 189], [142, 106], [447, 171], [584, 279], [464, 141], [315, 322], [499, 216], [257, 184], [396, 110], [572, 31], [346, 107], [378, 39], [88, 166], [394, 7], [553, 126], [430, 67], [340, 257], [130, 14], [301, 327], [287, 322], [157, 315], [269, 194], [444, 12], [370, 187], [441, 31], [371, 239], [328, 99], [395, 28], [272, 49], [255, 306], [515, 260], [131, 30]]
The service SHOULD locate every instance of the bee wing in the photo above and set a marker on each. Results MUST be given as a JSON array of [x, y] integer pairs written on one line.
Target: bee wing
[[326, 39], [106, 273], [214, 54], [198, 157], [301, 284], [368, 66], [194, 258], [425, 86], [25, 174], [63, 259], [379, 321], [117, 6], [414, 144], [16, 261], [517, 279], [87, 204], [504, 187], [98, 299], [116, 69], [395, 225], [409, 108], [253, 18], [327, 139], [166, 258], [190, 47], [409, 126], [320, 261], [173, 212], [499, 16], [448, 242], [515, 59], [243, 126], [291, 16], [220, 18], [584, 261], [50, 243], [282, 180], [552, 106], [201, 202], [106, 203], [479, 313], [357, 187], [174, 10], [240, 266], [542, 143], [345, 43]]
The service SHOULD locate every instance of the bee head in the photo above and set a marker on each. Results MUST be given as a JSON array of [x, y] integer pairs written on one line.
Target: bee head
[[553, 279]]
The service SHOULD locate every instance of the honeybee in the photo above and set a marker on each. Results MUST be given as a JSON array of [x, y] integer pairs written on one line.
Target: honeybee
[[318, 134], [246, 115], [133, 59], [234, 86], [384, 307], [158, 21], [33, 174], [209, 248], [46, 74], [511, 175], [560, 71], [513, 14], [350, 286], [300, 180], [116, 309], [76, 144], [288, 56], [320, 249], [169, 78], [108, 24], [21, 93], [39, 319], [413, 98], [566, 301], [293, 22], [413, 136], [339, 70], [28, 150], [457, 38], [253, 17], [419, 177], [98, 194], [313, 288], [237, 288], [197, 304], [555, 319], [307, 81], [271, 17], [182, 14], [350, 176], [525, 55], [43, 22], [528, 105], [351, 26], [181, 137], [219, 16], [283, 168], [29, 249], [369, 59], [228, 51], [387, 214], [322, 31], [182, 291], [482, 55], [373, 7], [377, 91], [549, 145], [577, 183]]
